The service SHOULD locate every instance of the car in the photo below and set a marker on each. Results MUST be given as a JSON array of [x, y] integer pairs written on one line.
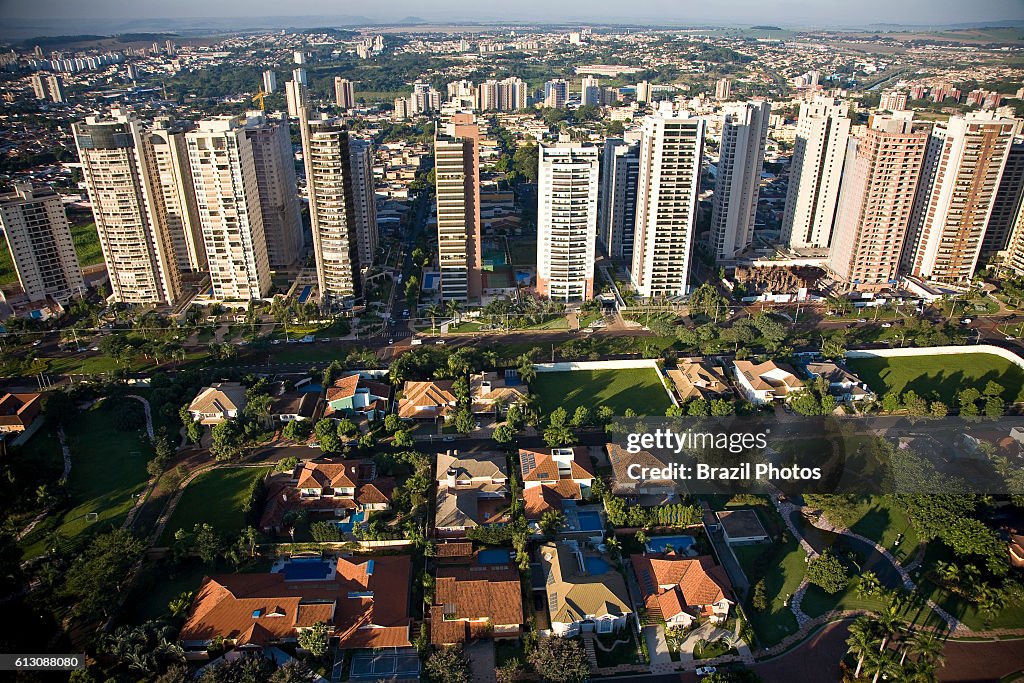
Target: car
[[314, 444], [37, 342], [862, 320], [440, 342], [1009, 338], [448, 438], [94, 348], [391, 341], [886, 325], [325, 339], [966, 321], [705, 670], [275, 341]]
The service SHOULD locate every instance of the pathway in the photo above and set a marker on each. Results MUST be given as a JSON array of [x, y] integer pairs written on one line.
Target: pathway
[[66, 453], [144, 496]]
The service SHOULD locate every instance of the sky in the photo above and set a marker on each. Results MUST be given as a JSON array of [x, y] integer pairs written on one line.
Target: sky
[[788, 13]]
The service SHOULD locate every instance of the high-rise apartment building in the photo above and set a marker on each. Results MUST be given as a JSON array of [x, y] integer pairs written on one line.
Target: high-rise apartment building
[[815, 173], [344, 93], [893, 100], [275, 176], [424, 99], [269, 81], [1006, 204], [567, 221], [119, 169], [880, 178], [590, 91], [504, 95], [616, 212], [671, 146], [174, 183], [644, 92], [556, 93], [224, 171], [401, 107], [723, 89], [39, 239], [365, 197], [327, 154], [738, 181], [48, 87], [296, 97], [457, 177], [1015, 248], [955, 209]]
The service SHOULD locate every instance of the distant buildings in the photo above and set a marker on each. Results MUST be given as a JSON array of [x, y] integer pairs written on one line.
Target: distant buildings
[[671, 146], [590, 91], [40, 244], [457, 176], [296, 94], [269, 81], [893, 100], [616, 213], [644, 92], [556, 93], [567, 221], [723, 89], [493, 95], [424, 99], [737, 182], [344, 94], [48, 87]]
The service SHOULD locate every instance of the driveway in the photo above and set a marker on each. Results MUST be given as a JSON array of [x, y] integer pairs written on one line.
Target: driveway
[[657, 648], [481, 660]]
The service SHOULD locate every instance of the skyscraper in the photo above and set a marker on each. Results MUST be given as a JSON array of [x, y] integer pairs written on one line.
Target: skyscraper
[[1006, 204], [644, 92], [296, 97], [119, 169], [424, 98], [567, 221], [671, 146], [173, 177], [228, 196], [327, 154], [590, 91], [616, 213], [880, 180], [40, 243], [723, 89], [275, 176], [740, 162], [946, 242], [401, 107], [457, 176], [48, 87], [365, 196], [269, 81], [344, 94], [815, 172], [556, 93]]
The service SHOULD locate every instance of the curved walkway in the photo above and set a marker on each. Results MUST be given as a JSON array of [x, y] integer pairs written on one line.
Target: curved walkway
[[130, 518], [66, 453]]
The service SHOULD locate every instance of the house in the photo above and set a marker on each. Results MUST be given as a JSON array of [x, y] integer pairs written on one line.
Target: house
[[471, 492], [553, 475], [454, 552], [697, 378], [218, 402], [364, 601], [482, 601], [584, 592], [680, 590], [767, 382], [494, 393], [635, 476], [356, 396], [292, 406], [427, 400], [741, 527], [843, 384], [334, 489], [19, 411]]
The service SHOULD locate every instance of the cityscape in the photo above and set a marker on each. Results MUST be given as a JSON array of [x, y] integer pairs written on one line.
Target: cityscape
[[481, 351]]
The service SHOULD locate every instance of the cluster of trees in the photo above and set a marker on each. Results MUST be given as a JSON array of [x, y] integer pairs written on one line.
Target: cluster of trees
[[828, 573], [522, 313], [676, 515], [884, 650], [213, 547]]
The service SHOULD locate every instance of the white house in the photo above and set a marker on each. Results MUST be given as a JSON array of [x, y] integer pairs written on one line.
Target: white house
[[766, 382], [585, 594]]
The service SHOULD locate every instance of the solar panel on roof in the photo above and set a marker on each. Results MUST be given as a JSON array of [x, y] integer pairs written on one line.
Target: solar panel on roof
[[529, 461]]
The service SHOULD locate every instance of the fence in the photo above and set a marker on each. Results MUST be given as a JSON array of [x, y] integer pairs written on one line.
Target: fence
[[938, 351], [629, 364]]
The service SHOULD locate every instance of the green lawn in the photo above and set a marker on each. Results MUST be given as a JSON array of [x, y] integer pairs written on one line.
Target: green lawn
[[215, 497], [640, 389], [87, 247], [817, 602], [782, 568], [108, 468], [882, 521], [940, 377]]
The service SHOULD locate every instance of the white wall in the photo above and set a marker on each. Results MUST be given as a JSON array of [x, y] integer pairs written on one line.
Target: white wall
[[938, 351]]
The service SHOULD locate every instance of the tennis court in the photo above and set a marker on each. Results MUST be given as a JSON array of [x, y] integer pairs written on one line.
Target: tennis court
[[383, 664]]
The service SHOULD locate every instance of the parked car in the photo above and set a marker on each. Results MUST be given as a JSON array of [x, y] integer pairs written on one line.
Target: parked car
[[886, 325], [705, 670]]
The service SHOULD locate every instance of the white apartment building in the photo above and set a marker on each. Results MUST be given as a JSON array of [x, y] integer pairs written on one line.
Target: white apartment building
[[816, 170], [365, 198], [556, 93], [39, 239], [344, 93], [269, 81], [590, 90], [567, 221], [119, 168], [969, 154], [228, 196], [738, 182], [457, 178], [1006, 204], [296, 96], [616, 211], [723, 89], [424, 99], [275, 176], [671, 146], [174, 182], [48, 87]]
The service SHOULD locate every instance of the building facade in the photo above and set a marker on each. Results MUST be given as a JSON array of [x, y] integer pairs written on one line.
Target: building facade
[[457, 177], [174, 182], [1006, 204], [616, 213], [344, 93], [275, 176], [738, 182], [556, 93]]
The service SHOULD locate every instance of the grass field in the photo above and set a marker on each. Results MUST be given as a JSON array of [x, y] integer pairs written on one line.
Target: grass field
[[108, 468], [640, 389], [215, 497], [782, 568], [940, 377], [87, 247]]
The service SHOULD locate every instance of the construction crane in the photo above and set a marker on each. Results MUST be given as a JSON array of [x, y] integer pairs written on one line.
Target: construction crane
[[259, 97]]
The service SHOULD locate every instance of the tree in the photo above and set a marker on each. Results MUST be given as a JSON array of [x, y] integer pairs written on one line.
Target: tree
[[968, 399], [324, 532], [297, 430], [392, 423], [228, 440], [828, 573], [207, 543], [447, 665], [915, 405], [525, 162], [863, 641], [315, 639], [403, 439], [504, 433], [327, 435], [881, 664], [582, 417], [292, 671], [193, 429], [551, 522], [938, 409], [891, 402], [759, 601], [558, 435], [509, 671], [558, 660], [347, 428], [94, 579]]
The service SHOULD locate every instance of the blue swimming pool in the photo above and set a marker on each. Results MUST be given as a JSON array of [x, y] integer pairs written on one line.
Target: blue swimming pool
[[310, 389], [494, 556], [430, 280], [657, 544], [306, 569], [353, 519], [596, 565], [589, 520], [305, 293]]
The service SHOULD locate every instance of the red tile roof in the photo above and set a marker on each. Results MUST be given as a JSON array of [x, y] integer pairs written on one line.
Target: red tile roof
[[691, 582], [471, 593], [539, 499]]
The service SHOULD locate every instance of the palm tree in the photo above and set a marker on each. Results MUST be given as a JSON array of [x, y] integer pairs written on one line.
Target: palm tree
[[881, 664], [862, 641], [700, 645], [947, 571], [868, 585], [433, 312], [927, 648], [452, 307], [888, 623]]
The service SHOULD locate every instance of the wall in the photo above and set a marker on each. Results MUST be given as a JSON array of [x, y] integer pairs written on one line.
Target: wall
[[568, 366], [938, 351]]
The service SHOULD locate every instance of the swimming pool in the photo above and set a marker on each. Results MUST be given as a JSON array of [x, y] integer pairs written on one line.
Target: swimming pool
[[596, 565], [353, 519], [589, 520], [306, 569], [430, 281], [658, 544], [305, 293], [494, 556]]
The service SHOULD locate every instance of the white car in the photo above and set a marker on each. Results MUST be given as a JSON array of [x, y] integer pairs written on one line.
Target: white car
[[887, 325], [705, 670]]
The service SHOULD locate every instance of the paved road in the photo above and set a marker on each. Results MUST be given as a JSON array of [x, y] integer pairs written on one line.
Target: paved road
[[976, 662]]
